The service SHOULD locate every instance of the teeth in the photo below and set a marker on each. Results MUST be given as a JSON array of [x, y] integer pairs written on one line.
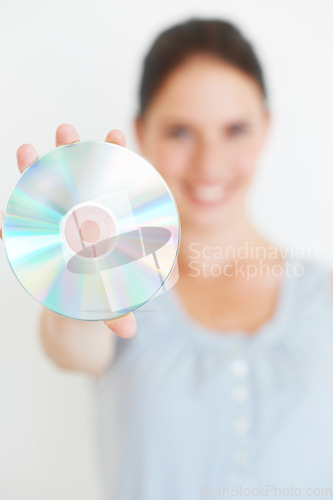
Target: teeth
[[209, 193]]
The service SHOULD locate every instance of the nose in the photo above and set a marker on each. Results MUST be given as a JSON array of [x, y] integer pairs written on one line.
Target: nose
[[210, 162]]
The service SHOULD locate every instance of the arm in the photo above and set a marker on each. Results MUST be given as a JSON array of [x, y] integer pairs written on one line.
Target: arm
[[85, 346]]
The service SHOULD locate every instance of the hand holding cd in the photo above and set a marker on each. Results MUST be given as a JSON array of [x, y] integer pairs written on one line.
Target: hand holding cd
[[124, 326]]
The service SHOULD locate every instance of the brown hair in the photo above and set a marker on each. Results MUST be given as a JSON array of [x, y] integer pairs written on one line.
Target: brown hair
[[209, 36]]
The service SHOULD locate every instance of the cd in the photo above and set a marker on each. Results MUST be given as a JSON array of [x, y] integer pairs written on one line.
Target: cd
[[91, 230]]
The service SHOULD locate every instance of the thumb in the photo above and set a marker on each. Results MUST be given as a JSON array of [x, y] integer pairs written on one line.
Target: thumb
[[125, 326]]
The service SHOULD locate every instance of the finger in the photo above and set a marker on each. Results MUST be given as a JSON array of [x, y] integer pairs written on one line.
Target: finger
[[1, 222], [66, 134], [125, 326], [26, 155], [116, 137]]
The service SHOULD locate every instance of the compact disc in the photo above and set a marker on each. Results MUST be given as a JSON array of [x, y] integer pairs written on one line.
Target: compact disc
[[91, 230]]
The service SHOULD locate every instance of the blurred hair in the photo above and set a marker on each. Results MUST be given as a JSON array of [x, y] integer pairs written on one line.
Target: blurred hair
[[174, 45]]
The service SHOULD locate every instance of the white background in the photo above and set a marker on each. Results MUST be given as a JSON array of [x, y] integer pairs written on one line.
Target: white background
[[79, 62]]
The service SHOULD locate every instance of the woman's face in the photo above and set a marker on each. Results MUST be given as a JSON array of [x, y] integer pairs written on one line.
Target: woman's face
[[203, 131]]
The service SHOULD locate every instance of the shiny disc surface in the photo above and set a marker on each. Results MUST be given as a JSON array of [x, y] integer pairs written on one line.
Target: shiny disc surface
[[91, 230]]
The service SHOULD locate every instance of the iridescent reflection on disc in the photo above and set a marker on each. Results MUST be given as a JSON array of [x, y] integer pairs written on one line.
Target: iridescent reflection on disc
[[91, 230]]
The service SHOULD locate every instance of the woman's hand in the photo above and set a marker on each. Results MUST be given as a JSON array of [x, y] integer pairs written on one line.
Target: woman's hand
[[124, 326]]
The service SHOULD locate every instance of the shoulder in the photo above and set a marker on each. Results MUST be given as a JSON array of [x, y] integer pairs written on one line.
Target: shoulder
[[311, 281], [308, 299]]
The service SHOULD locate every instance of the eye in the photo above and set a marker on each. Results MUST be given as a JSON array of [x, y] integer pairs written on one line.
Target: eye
[[238, 129], [180, 132]]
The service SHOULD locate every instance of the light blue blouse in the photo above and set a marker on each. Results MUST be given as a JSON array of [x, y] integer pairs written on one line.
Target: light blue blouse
[[186, 412]]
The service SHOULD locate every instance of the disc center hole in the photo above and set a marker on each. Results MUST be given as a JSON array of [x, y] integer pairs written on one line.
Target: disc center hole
[[90, 231]]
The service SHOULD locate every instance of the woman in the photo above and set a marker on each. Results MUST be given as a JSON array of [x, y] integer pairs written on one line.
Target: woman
[[226, 387]]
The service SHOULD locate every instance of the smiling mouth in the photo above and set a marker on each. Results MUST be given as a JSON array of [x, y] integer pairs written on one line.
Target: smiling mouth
[[207, 195]]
